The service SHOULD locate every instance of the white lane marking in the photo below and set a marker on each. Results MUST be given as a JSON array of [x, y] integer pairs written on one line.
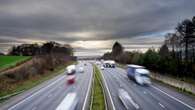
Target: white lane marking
[[125, 98], [134, 104], [69, 102], [41, 90], [173, 98], [124, 103], [161, 105], [34, 108], [89, 86], [50, 95], [108, 91]]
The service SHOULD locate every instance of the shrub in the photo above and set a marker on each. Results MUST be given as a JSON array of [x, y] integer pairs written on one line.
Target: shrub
[[151, 59]]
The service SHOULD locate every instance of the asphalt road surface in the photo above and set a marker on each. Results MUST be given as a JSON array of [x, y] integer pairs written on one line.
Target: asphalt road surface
[[153, 97], [49, 95]]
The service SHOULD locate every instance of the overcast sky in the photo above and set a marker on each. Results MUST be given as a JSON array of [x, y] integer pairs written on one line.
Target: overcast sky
[[91, 26]]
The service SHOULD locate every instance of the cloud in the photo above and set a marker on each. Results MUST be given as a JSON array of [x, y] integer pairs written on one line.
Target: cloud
[[71, 21]]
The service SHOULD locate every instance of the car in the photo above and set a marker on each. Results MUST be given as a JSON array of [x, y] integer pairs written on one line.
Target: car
[[102, 67], [81, 70], [97, 63], [69, 102], [71, 79], [106, 65], [71, 69], [126, 99]]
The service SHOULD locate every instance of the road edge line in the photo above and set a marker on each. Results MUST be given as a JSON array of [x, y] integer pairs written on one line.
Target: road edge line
[[35, 93], [88, 90], [106, 86], [176, 99], [100, 80], [92, 92]]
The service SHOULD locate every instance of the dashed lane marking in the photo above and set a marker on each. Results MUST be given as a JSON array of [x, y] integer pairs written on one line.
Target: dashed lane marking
[[161, 105]]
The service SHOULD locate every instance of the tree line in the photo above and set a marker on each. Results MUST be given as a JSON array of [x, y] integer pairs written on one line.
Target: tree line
[[45, 58], [46, 48], [175, 57]]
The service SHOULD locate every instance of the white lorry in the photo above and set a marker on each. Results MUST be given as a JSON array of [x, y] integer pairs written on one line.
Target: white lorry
[[109, 64], [139, 74]]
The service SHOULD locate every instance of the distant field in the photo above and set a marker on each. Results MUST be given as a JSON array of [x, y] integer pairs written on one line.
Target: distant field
[[9, 61]]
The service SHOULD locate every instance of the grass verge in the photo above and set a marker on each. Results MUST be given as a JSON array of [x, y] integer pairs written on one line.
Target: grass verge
[[180, 90], [7, 62], [32, 82], [121, 65], [189, 80], [98, 102]]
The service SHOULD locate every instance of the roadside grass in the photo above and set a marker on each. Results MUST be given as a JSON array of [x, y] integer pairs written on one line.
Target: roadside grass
[[181, 90], [98, 101], [11, 61], [31, 82], [184, 79], [121, 65]]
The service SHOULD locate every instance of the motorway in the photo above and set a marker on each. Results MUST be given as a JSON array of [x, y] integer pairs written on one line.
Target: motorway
[[153, 97], [49, 95]]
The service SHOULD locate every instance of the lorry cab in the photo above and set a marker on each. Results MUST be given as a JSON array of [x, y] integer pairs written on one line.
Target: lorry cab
[[139, 74], [71, 69]]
